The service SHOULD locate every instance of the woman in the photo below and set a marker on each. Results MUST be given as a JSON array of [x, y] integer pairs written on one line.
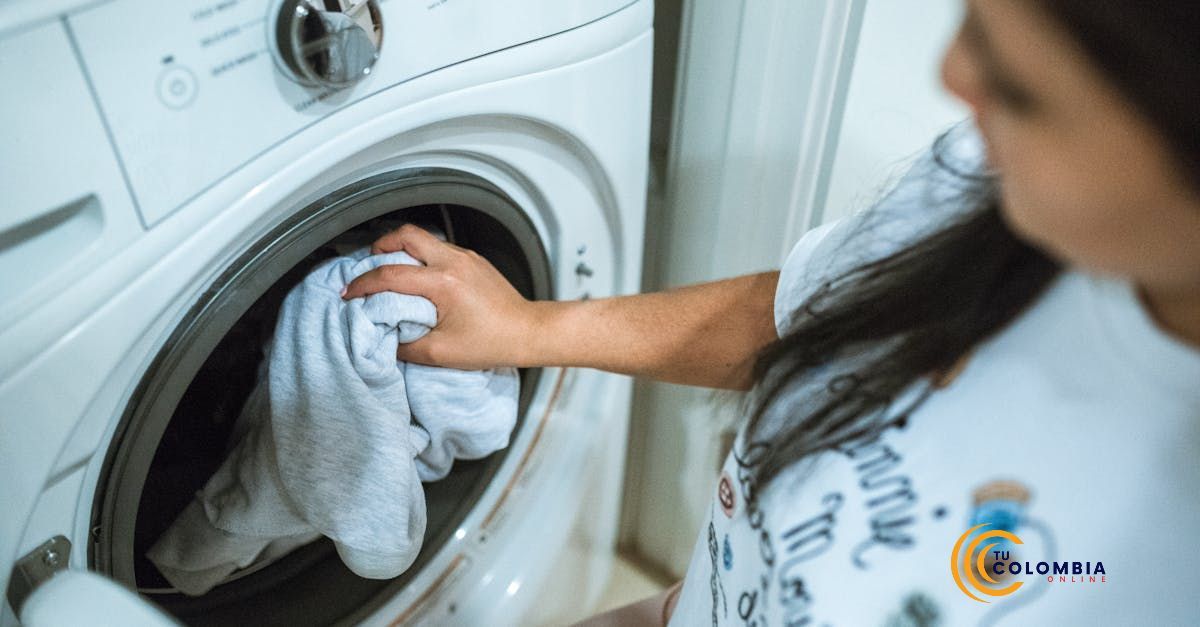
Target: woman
[[1012, 343]]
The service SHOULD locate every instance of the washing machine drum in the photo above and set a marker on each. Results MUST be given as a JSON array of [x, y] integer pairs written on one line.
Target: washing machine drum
[[177, 428]]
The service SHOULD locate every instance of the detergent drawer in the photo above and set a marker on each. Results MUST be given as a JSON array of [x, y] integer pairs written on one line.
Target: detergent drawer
[[65, 204]]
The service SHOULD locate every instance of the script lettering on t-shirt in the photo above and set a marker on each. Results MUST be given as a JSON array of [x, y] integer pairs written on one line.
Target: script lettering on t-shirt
[[752, 603], [890, 496], [718, 590], [803, 542], [747, 462]]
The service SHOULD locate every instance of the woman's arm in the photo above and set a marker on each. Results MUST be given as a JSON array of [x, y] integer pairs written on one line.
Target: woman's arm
[[705, 334], [702, 334]]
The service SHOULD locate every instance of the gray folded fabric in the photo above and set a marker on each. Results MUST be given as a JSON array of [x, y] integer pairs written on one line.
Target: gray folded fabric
[[338, 437]]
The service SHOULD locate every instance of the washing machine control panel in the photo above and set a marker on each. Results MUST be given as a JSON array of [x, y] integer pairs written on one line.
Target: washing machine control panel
[[328, 45], [192, 90]]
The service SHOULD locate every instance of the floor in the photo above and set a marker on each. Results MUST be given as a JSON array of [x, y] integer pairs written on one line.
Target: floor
[[628, 583]]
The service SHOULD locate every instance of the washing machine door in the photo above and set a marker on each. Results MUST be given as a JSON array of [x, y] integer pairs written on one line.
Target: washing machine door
[[180, 419], [80, 597]]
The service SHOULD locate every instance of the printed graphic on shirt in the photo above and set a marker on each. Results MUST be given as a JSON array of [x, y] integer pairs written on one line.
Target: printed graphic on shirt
[[917, 610], [999, 555], [799, 543], [999, 509], [727, 554], [726, 495], [991, 561], [751, 603], [718, 590], [890, 497]]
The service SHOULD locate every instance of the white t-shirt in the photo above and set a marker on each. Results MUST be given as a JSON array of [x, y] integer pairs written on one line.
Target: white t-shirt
[[1076, 428]]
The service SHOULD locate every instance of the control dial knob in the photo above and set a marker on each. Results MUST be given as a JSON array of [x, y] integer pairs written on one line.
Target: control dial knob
[[328, 43]]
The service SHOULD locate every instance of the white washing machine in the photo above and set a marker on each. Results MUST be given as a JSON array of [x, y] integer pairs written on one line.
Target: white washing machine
[[169, 169]]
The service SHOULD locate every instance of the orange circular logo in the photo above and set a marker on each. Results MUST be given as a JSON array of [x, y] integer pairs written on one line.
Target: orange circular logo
[[971, 564]]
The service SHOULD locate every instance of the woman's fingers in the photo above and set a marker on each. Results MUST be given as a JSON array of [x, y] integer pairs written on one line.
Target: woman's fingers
[[414, 240], [403, 279], [418, 352]]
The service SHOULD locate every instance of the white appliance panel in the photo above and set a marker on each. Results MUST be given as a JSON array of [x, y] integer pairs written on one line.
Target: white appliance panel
[[201, 93]]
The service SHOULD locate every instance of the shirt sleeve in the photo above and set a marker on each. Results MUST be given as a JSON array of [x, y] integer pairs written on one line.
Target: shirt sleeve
[[795, 277]]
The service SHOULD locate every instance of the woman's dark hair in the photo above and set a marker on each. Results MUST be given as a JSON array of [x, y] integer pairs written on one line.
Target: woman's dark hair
[[862, 338]]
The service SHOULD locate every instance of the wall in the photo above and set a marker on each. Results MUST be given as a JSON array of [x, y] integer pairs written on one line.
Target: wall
[[896, 104]]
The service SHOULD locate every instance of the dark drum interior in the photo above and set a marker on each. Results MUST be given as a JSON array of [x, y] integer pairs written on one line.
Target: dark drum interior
[[309, 586]]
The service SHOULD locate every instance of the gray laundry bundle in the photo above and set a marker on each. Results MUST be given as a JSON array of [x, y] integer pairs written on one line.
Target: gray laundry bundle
[[337, 437]]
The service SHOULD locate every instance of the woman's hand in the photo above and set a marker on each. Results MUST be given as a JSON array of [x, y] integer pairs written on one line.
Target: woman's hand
[[483, 322]]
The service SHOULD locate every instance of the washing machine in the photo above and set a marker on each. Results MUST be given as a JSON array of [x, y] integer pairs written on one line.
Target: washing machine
[[170, 169]]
